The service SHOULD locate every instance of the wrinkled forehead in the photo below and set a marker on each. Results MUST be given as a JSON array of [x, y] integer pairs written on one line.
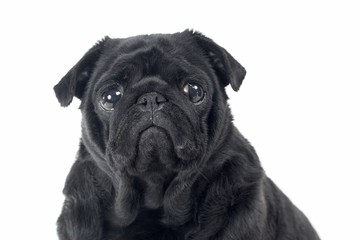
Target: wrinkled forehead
[[166, 57]]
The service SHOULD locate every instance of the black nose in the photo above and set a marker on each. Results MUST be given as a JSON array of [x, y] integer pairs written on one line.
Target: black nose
[[151, 101]]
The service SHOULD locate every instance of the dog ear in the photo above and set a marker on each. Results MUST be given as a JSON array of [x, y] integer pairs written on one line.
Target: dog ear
[[74, 82], [226, 67]]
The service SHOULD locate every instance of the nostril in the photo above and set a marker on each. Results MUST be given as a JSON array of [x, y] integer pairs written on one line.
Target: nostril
[[160, 99], [142, 101]]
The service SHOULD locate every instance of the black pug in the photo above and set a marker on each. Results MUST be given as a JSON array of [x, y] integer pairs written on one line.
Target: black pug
[[159, 155]]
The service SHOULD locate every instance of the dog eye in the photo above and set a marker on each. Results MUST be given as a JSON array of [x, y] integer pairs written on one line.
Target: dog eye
[[194, 92], [109, 98]]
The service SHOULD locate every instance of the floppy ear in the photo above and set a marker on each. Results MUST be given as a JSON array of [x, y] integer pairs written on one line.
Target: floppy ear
[[226, 67], [74, 82]]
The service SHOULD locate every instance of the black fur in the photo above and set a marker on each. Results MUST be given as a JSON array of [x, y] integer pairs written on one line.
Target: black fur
[[159, 166]]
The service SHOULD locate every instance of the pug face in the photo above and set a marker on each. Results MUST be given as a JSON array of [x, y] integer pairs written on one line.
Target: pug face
[[152, 105], [154, 113]]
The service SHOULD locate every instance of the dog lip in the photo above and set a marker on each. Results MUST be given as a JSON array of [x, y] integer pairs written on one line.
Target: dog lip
[[151, 126], [185, 148]]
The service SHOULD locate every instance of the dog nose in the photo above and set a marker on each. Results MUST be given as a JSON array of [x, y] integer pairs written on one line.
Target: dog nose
[[151, 101]]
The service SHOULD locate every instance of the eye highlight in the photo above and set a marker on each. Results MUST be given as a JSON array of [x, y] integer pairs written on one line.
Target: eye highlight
[[194, 92], [109, 99]]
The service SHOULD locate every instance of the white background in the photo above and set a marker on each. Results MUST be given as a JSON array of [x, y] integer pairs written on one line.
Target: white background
[[299, 104]]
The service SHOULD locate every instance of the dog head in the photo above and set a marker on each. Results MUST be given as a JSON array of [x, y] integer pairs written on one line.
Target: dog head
[[153, 103]]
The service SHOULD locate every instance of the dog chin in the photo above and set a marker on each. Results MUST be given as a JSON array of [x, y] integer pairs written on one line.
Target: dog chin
[[155, 152]]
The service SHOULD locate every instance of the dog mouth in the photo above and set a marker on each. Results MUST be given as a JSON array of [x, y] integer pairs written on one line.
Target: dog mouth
[[144, 145], [154, 150]]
